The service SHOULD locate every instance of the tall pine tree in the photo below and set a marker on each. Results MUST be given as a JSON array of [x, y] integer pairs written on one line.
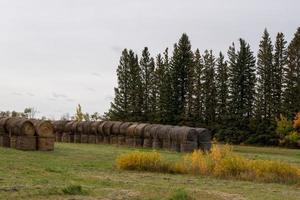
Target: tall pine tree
[[209, 87], [120, 107], [292, 77], [181, 61], [222, 88], [278, 73], [265, 74]]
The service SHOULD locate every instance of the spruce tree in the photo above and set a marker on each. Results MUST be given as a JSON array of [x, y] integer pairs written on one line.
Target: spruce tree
[[147, 78], [119, 109], [209, 87], [278, 74], [241, 82], [265, 77], [199, 96], [180, 65], [292, 77], [135, 89], [222, 88]]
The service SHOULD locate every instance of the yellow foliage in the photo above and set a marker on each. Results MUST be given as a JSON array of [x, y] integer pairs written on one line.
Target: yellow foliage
[[296, 122], [220, 162]]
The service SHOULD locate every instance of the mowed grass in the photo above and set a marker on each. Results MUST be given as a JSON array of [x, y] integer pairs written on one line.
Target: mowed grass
[[87, 171]]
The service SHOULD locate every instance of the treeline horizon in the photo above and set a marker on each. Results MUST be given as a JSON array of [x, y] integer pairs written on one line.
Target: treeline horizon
[[239, 97]]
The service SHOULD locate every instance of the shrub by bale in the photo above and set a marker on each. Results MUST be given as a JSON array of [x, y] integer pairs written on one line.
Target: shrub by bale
[[164, 136], [59, 127], [129, 140], [203, 139], [45, 135], [67, 135], [139, 134], [4, 135], [123, 132], [188, 138], [22, 134]]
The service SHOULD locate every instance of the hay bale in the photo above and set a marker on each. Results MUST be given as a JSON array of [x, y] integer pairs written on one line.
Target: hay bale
[[123, 131], [174, 136], [204, 139], [75, 135], [188, 138], [101, 132], [129, 140], [115, 132], [139, 134], [92, 139], [67, 135], [94, 131], [13, 141], [45, 143], [86, 129], [20, 126], [59, 127], [4, 136], [25, 142], [43, 128], [164, 136], [149, 136], [106, 128]]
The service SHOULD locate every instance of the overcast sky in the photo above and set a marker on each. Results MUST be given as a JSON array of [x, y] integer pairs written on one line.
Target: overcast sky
[[55, 54]]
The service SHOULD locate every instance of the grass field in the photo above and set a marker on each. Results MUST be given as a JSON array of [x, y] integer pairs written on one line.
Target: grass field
[[48, 175]]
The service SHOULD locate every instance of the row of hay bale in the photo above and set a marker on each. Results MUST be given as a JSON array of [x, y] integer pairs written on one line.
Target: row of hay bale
[[25, 134], [176, 138]]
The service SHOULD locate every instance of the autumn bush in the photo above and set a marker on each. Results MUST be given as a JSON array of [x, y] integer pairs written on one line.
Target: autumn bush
[[221, 162]]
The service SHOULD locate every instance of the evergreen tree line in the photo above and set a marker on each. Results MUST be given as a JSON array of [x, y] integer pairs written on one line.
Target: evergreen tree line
[[238, 96]]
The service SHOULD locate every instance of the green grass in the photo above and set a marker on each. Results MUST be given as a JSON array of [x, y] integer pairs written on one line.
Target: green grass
[[48, 175]]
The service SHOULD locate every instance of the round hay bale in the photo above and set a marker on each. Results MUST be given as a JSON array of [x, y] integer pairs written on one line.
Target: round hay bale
[[139, 134], [59, 126], [204, 139], [174, 136], [115, 132], [129, 140], [3, 123], [75, 135], [153, 136], [106, 131], [164, 136], [20, 126], [147, 136], [67, 135], [123, 132], [26, 143], [94, 127], [43, 128], [188, 138], [45, 143], [68, 127]]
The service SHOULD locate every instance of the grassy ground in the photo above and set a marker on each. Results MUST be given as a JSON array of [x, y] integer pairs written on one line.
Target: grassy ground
[[48, 175]]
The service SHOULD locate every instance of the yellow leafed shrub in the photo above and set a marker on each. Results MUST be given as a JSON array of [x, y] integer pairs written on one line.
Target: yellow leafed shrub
[[220, 162]]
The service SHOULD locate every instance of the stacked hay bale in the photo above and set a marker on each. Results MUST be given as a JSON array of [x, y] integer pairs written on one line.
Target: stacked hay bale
[[129, 140], [163, 134], [45, 135], [93, 135], [203, 139], [67, 134], [75, 135], [4, 136], [115, 132], [139, 135], [123, 133], [59, 127], [188, 139], [174, 137], [22, 133]]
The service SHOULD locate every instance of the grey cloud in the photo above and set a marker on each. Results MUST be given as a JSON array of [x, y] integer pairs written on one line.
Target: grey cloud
[[117, 49], [17, 93], [96, 74], [30, 94], [56, 95]]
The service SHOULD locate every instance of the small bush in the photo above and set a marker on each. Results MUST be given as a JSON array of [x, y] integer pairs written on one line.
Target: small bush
[[180, 195], [74, 190], [143, 161]]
